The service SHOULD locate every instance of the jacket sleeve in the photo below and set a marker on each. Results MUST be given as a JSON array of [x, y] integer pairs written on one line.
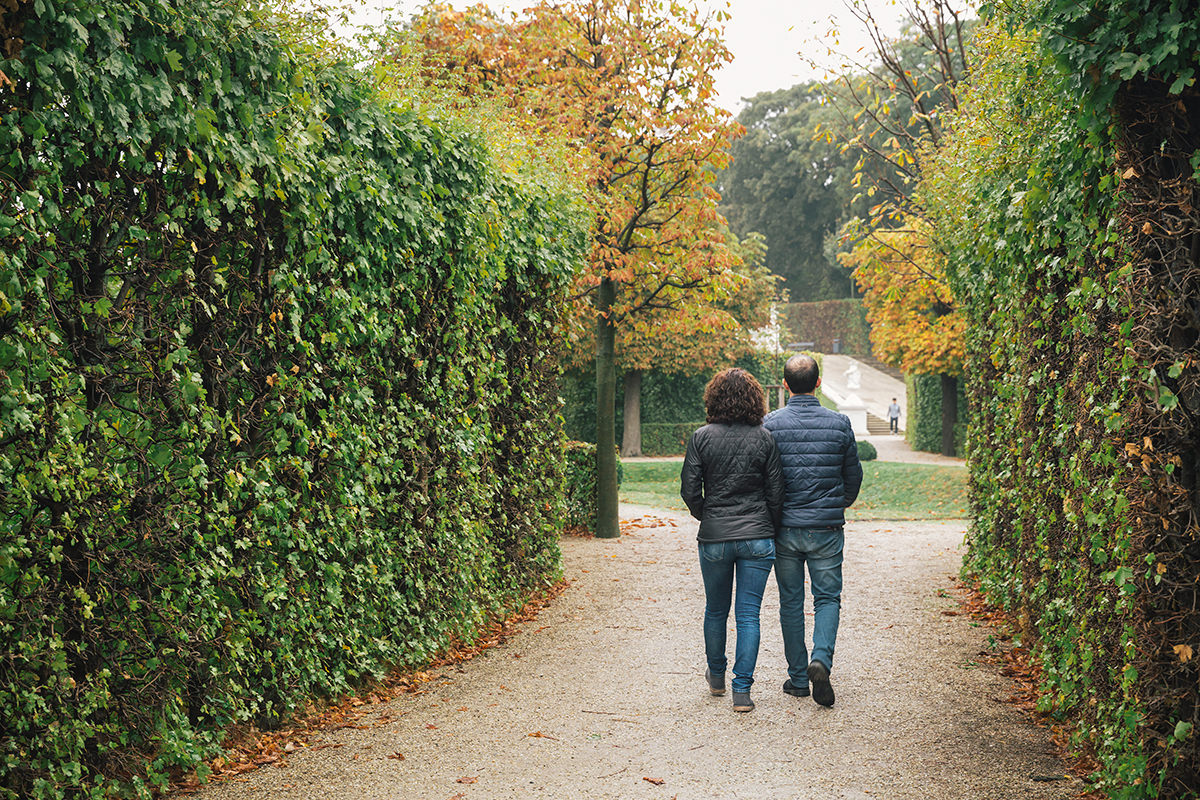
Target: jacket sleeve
[[691, 480], [774, 483], [852, 472]]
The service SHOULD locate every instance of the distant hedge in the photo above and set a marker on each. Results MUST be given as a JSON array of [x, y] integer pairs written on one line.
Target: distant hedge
[[276, 393], [670, 402], [823, 321], [579, 486], [923, 417]]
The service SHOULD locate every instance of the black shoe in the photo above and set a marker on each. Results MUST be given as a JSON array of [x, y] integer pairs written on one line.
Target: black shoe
[[742, 701], [716, 685], [794, 690], [822, 689]]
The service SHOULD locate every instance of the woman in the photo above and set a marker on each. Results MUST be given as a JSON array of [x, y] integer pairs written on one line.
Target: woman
[[732, 482]]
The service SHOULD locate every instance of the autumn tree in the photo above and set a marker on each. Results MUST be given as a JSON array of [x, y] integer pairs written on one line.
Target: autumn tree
[[895, 107], [914, 321], [631, 85], [713, 328]]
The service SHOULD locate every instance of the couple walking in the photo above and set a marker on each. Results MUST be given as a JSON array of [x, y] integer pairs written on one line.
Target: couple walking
[[771, 491]]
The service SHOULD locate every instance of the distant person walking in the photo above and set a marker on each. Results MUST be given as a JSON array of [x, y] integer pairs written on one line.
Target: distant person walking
[[732, 481], [893, 415], [820, 462]]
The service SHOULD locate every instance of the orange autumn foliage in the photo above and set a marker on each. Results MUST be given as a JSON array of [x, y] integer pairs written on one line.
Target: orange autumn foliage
[[914, 323], [629, 86]]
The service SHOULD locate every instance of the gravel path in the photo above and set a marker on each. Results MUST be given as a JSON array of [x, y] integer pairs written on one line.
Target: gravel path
[[606, 689]]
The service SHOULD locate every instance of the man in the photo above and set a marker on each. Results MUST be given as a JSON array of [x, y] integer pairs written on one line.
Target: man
[[820, 463], [893, 413]]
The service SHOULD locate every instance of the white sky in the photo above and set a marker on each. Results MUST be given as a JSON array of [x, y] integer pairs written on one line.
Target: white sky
[[772, 41]]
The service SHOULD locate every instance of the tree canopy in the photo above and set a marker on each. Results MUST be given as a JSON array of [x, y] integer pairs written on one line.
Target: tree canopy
[[630, 85], [793, 185]]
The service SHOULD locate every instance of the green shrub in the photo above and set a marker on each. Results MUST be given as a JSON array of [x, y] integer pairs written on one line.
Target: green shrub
[[867, 451], [579, 485], [923, 423], [276, 386], [667, 439]]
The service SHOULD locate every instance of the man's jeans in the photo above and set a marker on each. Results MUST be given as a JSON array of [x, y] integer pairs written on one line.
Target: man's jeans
[[749, 560], [821, 549]]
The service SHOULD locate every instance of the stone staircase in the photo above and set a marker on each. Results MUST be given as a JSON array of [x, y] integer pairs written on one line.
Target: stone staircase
[[877, 426]]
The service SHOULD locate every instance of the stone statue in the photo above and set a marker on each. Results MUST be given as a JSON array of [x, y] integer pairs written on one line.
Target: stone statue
[[853, 376]]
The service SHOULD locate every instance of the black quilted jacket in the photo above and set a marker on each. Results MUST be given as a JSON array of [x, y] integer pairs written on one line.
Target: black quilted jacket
[[732, 482]]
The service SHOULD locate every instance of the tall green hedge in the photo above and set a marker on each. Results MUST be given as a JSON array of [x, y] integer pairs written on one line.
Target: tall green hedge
[[923, 417], [1065, 199], [274, 387]]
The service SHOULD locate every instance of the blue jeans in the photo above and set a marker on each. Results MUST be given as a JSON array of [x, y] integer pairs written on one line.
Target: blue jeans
[[821, 549], [750, 561]]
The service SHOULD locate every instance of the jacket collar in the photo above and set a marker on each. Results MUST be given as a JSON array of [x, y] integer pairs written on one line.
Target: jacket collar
[[803, 400]]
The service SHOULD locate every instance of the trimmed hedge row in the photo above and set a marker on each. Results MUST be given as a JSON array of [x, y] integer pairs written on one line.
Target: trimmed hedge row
[[274, 388], [669, 402], [667, 438], [923, 423], [579, 486], [823, 321], [1065, 199]]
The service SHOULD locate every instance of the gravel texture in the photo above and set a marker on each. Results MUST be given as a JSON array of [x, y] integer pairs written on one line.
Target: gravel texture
[[606, 689]]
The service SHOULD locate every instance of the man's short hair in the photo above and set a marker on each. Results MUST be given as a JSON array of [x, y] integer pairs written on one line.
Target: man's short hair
[[800, 373]]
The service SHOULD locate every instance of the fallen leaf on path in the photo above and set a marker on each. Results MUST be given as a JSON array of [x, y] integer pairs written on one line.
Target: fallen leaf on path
[[468, 779], [431, 726], [397, 755], [540, 735], [655, 781]]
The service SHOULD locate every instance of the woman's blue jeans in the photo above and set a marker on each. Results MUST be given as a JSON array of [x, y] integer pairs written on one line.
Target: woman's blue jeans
[[749, 562], [821, 550]]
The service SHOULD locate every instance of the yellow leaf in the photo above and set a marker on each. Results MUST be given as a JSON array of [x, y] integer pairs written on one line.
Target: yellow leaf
[[1184, 651]]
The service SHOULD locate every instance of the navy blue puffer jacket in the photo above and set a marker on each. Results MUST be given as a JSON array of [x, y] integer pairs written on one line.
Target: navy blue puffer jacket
[[820, 462]]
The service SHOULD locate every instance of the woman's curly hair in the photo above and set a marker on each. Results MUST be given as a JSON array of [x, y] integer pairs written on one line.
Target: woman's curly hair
[[734, 397]]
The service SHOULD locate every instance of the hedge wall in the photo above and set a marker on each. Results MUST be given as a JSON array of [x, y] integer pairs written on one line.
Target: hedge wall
[[823, 321], [672, 404], [274, 385], [1066, 200], [923, 421]]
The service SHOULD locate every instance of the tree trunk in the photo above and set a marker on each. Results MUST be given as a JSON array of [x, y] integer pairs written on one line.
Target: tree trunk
[[607, 522], [631, 438], [949, 412]]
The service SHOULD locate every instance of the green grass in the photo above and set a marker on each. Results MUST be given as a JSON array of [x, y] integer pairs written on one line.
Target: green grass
[[654, 484], [890, 490]]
